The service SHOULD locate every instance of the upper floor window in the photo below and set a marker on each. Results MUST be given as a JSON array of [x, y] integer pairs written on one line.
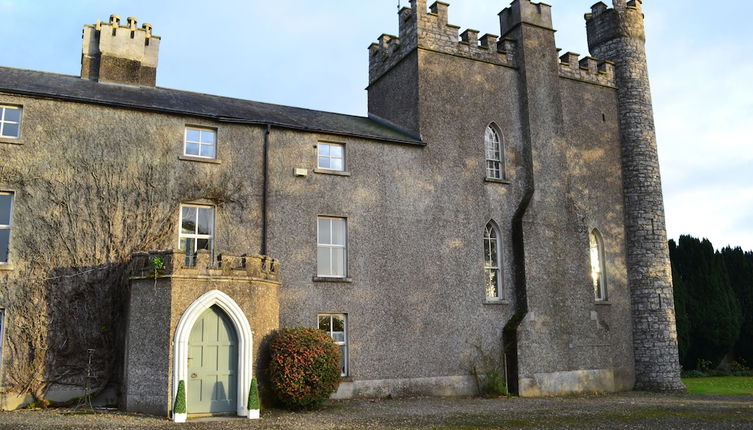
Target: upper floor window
[[336, 325], [6, 212], [330, 156], [331, 247], [598, 274], [491, 261], [494, 159], [10, 121], [200, 142], [196, 230]]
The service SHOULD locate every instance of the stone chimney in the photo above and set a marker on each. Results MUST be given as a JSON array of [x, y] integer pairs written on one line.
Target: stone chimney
[[125, 54]]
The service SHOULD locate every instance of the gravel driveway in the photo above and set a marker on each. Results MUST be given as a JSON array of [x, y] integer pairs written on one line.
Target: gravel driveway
[[614, 411]]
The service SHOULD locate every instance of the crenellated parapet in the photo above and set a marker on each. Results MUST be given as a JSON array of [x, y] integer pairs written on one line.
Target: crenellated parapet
[[625, 19], [431, 30], [587, 69], [173, 263]]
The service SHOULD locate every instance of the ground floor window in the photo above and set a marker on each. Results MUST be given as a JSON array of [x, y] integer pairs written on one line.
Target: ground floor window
[[336, 325]]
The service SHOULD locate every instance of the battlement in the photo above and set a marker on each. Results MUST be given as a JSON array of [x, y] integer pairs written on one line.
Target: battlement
[[587, 69], [419, 28], [525, 11], [624, 19], [120, 53], [171, 263]]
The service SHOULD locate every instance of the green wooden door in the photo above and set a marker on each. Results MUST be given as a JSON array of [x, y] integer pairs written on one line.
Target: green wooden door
[[212, 364]]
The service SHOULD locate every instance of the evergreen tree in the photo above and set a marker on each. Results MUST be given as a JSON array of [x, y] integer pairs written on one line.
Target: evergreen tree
[[681, 312], [710, 301], [740, 269]]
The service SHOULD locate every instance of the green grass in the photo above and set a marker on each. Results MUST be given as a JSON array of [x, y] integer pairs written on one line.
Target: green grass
[[729, 385]]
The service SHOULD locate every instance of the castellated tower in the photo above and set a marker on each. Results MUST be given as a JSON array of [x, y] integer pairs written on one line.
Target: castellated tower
[[618, 35], [122, 54]]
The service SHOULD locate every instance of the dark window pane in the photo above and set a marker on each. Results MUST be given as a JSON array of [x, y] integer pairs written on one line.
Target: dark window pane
[[343, 371], [5, 205], [4, 244], [189, 220], [203, 244], [324, 323], [205, 221], [338, 323]]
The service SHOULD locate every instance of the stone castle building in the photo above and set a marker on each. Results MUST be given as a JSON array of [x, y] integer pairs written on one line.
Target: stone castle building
[[500, 209]]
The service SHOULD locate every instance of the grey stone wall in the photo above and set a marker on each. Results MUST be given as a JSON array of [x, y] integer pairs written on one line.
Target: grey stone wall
[[618, 35]]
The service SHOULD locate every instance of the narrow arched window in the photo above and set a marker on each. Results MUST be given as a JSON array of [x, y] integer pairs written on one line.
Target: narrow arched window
[[491, 261], [598, 274], [493, 145]]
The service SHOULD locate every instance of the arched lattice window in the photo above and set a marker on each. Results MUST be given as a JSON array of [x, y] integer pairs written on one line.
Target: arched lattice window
[[494, 154], [598, 273], [492, 262]]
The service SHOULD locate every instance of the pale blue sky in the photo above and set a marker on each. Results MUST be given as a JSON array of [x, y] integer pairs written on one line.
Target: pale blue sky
[[313, 54]]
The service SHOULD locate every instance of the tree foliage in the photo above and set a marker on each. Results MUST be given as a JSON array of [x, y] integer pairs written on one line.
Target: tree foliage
[[739, 266], [304, 368], [705, 293]]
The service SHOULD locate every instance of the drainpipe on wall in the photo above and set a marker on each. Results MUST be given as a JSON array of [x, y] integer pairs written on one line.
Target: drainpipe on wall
[[265, 192]]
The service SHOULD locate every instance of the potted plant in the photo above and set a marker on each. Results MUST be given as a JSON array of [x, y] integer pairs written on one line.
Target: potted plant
[[253, 400], [179, 409]]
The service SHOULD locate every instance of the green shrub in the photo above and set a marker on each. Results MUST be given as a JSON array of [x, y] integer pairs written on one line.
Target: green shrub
[[304, 367], [717, 372], [693, 374], [253, 395], [180, 399], [494, 385]]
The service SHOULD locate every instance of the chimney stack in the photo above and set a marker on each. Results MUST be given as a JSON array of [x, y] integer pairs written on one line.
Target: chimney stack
[[119, 53]]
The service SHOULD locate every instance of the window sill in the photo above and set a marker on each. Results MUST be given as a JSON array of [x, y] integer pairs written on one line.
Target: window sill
[[496, 302], [199, 159], [6, 267], [11, 141], [497, 181], [346, 379], [603, 303], [332, 172], [332, 279]]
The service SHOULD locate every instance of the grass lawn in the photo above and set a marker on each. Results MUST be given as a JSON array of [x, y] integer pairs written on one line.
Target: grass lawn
[[731, 385]]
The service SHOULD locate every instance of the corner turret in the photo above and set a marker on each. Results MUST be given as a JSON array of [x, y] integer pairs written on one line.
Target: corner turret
[[617, 35]]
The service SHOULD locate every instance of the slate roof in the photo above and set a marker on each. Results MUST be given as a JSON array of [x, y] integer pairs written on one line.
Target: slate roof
[[223, 109]]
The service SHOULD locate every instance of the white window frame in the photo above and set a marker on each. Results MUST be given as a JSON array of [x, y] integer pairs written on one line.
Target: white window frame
[[8, 226], [196, 236], [2, 337], [331, 246], [493, 148], [329, 157], [202, 131], [3, 121], [598, 265], [492, 263], [345, 368]]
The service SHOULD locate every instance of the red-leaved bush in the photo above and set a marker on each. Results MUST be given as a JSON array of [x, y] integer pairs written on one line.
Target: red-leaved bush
[[304, 368]]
